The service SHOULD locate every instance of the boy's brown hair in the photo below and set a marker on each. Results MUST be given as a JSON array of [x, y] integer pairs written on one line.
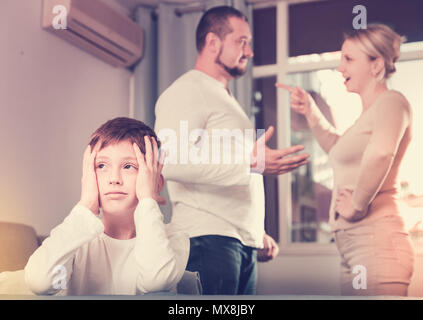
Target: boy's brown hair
[[122, 129]]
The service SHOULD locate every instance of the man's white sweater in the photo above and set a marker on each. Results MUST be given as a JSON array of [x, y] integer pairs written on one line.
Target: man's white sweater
[[210, 185]]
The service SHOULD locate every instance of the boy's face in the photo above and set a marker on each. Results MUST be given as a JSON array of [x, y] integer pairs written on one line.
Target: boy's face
[[116, 168]]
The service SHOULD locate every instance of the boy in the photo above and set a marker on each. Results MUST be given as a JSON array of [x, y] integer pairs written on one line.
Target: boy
[[128, 251]]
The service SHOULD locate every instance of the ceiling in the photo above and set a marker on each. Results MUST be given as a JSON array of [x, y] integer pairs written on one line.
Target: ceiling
[[131, 4]]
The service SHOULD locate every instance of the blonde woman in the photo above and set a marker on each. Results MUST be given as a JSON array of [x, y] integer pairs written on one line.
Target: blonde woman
[[377, 256]]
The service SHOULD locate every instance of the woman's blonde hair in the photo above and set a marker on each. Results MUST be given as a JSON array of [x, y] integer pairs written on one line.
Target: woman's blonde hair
[[379, 40]]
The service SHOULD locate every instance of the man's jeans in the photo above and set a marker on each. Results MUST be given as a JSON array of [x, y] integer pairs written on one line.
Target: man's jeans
[[226, 266]]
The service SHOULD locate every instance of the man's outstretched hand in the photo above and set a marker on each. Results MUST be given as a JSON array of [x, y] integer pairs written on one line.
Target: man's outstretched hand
[[269, 161]]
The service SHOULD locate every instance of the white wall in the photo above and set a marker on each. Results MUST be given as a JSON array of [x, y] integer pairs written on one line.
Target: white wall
[[52, 97]]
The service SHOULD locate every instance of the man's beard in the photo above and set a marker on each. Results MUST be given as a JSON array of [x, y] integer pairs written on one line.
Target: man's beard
[[234, 71]]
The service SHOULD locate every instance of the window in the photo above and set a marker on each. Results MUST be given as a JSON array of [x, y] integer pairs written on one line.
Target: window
[[300, 201], [264, 24], [408, 80], [265, 114], [312, 186], [264, 103]]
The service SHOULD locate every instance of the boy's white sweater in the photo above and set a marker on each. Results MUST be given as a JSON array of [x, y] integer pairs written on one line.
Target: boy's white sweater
[[78, 258]]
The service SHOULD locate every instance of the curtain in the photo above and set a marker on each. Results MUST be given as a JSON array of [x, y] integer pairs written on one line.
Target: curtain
[[145, 73], [169, 52]]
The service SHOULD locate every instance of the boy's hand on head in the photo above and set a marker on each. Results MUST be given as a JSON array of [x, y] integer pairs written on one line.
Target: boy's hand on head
[[89, 186], [149, 171]]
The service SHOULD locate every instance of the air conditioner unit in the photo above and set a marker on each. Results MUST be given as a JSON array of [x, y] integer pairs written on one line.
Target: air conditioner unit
[[96, 28]]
